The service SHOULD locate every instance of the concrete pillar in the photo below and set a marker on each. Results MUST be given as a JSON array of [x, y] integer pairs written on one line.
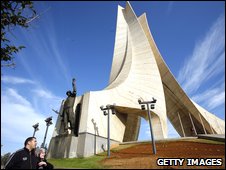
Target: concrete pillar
[[192, 123], [181, 124], [202, 124]]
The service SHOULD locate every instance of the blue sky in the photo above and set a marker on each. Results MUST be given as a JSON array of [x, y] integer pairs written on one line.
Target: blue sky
[[76, 39]]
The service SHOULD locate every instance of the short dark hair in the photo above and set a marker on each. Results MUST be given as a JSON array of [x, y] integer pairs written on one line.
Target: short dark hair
[[28, 140]]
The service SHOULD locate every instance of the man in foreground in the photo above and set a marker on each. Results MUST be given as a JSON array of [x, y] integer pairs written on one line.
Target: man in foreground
[[24, 158]]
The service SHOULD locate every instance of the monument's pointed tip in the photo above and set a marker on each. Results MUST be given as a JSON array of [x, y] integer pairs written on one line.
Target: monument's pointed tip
[[128, 3], [143, 15], [130, 9], [120, 7]]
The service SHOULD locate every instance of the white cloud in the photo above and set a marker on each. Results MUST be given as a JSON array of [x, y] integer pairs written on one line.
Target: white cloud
[[17, 120], [18, 114], [15, 80], [211, 98], [45, 43], [206, 60], [59, 58], [217, 100], [44, 101], [16, 99], [39, 92]]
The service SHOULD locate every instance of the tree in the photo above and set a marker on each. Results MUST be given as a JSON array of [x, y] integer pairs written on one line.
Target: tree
[[4, 159], [13, 14]]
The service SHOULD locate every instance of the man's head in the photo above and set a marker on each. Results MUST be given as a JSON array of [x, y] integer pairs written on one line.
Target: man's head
[[68, 93], [30, 143]]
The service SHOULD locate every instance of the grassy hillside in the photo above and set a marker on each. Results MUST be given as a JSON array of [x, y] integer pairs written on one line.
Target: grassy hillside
[[135, 155]]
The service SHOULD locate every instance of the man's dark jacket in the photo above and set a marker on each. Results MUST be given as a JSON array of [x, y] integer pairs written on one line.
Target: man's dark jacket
[[22, 159]]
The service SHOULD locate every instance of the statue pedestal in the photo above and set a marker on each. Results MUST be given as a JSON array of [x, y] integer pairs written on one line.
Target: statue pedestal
[[63, 146], [85, 145]]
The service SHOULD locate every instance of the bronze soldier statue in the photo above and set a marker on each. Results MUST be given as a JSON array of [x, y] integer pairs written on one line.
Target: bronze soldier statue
[[68, 115]]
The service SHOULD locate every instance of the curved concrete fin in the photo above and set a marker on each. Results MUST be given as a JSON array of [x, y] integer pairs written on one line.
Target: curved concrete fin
[[175, 95], [120, 45], [139, 70], [129, 11]]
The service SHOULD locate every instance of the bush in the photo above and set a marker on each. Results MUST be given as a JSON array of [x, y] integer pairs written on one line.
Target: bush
[[4, 158]]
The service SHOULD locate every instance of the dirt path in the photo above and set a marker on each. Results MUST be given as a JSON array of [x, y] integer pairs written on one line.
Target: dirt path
[[140, 155]]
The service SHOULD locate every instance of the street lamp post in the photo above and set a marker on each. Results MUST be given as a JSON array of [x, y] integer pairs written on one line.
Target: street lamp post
[[152, 103], [48, 123], [106, 112], [35, 128]]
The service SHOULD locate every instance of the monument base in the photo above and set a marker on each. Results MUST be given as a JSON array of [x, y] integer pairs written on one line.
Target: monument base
[[63, 146], [69, 146]]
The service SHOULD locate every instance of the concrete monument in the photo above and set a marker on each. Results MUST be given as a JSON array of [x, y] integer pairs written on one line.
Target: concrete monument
[[138, 72]]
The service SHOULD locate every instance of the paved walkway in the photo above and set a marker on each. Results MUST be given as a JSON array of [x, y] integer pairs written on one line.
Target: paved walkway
[[216, 137], [158, 140]]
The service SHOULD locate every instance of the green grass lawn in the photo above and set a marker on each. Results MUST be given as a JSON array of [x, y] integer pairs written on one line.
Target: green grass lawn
[[92, 162]]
